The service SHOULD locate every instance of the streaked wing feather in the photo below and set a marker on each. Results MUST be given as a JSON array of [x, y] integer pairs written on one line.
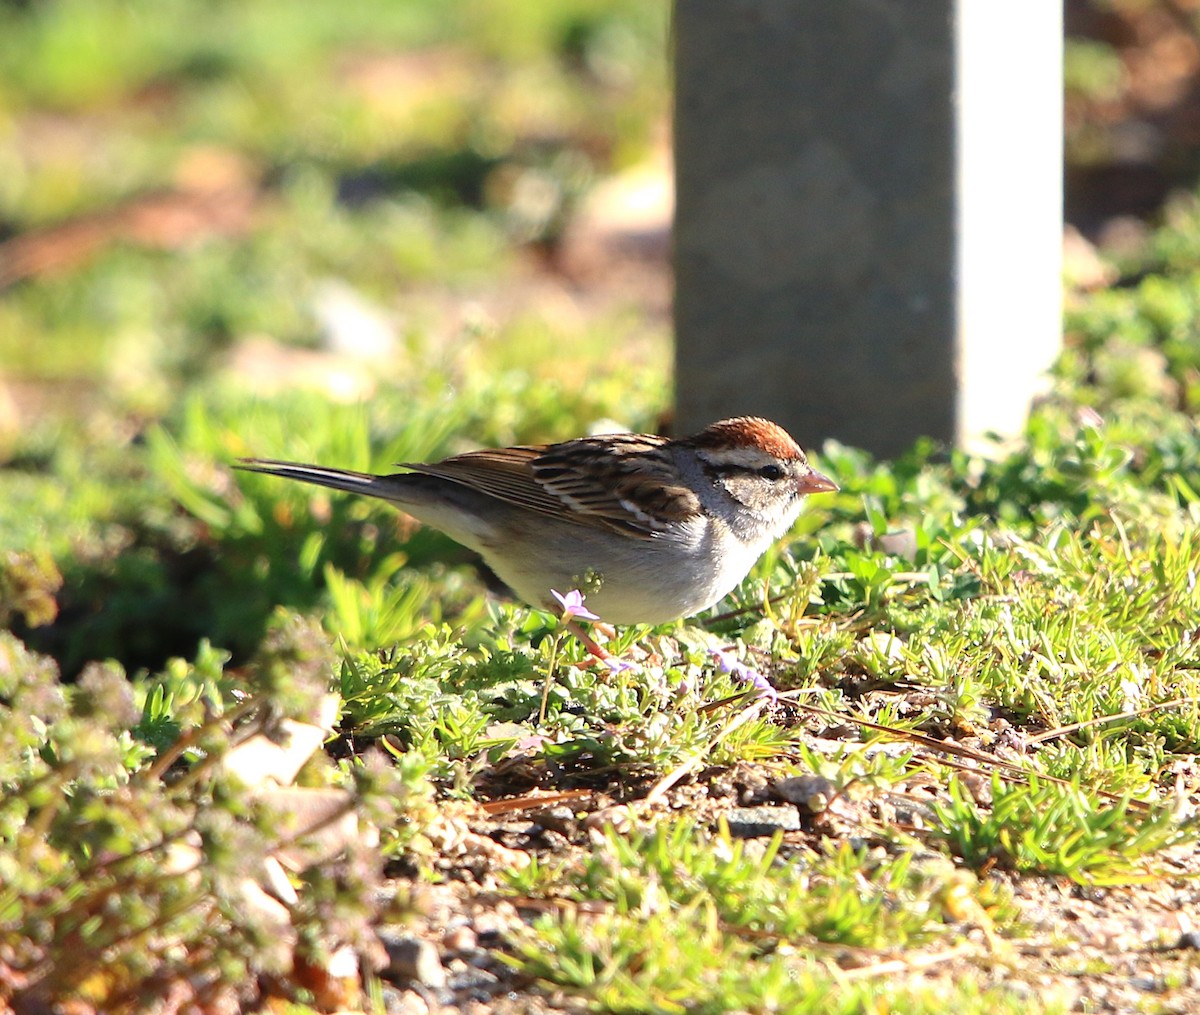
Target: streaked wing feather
[[619, 481], [625, 482], [504, 473]]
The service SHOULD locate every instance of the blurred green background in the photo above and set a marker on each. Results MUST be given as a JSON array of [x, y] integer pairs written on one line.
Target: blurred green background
[[358, 232]]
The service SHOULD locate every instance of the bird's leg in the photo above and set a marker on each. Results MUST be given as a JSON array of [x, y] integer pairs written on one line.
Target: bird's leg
[[595, 649]]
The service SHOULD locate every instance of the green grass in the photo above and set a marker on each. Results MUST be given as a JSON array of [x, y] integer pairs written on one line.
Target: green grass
[[987, 663], [695, 922]]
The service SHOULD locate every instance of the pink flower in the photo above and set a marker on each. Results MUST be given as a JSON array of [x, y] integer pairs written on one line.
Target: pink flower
[[572, 605]]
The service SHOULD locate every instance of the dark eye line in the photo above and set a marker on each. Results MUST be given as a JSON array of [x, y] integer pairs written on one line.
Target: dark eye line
[[771, 472]]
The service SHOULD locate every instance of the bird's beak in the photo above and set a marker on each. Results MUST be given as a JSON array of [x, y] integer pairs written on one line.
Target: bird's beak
[[814, 482]]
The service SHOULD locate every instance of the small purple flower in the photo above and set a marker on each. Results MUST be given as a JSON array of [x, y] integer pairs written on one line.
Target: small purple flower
[[761, 684], [727, 662], [572, 605], [616, 665]]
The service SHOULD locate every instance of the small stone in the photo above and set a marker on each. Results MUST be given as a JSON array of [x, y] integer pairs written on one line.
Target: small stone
[[749, 822], [491, 925], [616, 817], [812, 792], [460, 939], [474, 845], [559, 819], [480, 984], [403, 1002], [412, 960], [554, 841], [978, 786]]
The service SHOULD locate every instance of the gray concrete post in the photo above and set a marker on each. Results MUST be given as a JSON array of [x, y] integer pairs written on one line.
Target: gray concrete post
[[868, 216]]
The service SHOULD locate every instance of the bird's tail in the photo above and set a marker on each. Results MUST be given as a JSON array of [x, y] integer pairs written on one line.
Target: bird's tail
[[336, 479]]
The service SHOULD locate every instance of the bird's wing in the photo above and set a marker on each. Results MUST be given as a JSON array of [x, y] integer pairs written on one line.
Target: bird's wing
[[503, 473], [623, 482]]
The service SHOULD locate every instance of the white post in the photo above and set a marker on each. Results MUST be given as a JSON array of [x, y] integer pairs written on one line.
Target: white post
[[1009, 190]]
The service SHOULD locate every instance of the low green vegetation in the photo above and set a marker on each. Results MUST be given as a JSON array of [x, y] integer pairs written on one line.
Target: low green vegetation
[[984, 667]]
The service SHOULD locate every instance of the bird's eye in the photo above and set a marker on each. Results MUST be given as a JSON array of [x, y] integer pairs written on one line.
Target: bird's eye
[[771, 472]]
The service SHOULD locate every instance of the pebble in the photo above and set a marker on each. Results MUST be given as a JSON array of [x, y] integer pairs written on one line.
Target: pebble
[[559, 819], [403, 1002], [749, 822], [460, 939], [412, 960], [479, 984], [812, 792], [1190, 940], [616, 817]]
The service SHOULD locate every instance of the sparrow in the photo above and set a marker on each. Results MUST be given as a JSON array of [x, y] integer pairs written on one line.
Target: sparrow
[[649, 528]]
